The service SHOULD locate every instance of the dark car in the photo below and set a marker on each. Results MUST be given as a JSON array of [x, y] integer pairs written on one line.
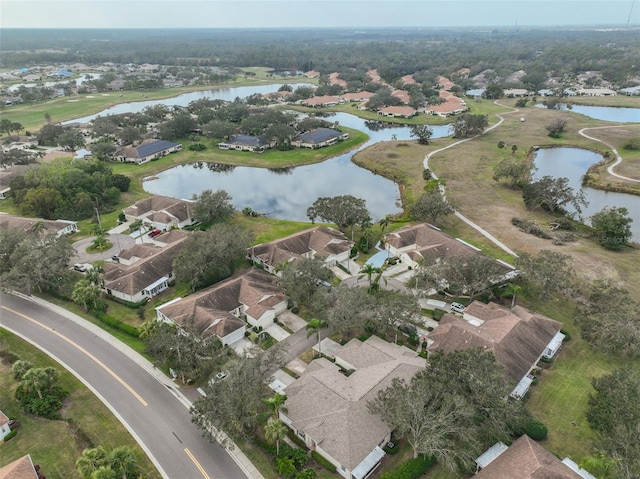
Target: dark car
[[115, 258]]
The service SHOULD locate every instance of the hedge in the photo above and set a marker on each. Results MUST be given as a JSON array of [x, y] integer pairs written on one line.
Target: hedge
[[128, 304], [323, 462], [11, 435], [536, 430], [412, 469], [117, 324]]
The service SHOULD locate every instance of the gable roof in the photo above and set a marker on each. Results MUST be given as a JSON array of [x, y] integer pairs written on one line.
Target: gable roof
[[248, 140], [178, 209], [321, 240], [146, 148], [526, 459], [332, 408], [516, 337], [427, 242], [255, 289], [319, 135], [19, 469], [30, 224], [397, 110]]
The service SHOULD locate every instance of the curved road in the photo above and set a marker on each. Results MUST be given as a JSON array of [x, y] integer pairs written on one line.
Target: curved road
[[615, 152], [150, 405]]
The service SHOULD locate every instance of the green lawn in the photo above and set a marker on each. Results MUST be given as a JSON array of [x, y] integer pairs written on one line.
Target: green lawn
[[50, 443]]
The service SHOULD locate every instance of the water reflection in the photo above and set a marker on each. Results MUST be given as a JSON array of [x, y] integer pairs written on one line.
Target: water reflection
[[572, 163]]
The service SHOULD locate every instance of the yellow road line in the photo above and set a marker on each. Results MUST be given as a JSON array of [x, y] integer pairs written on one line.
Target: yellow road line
[[81, 349], [195, 461]]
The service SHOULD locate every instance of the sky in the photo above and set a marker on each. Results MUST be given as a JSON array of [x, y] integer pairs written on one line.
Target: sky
[[314, 13]]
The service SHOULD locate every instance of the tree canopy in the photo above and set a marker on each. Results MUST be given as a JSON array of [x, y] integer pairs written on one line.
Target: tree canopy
[[212, 206], [612, 227], [344, 211]]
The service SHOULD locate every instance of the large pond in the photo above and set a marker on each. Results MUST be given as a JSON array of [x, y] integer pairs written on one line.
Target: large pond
[[287, 193], [572, 163], [605, 113], [227, 94]]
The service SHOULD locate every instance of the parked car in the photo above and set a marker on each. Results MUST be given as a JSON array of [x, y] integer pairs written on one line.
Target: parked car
[[154, 233], [80, 267], [115, 258], [457, 308]]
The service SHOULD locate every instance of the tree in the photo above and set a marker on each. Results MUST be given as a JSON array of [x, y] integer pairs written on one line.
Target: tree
[[276, 404], [393, 308], [212, 206], [70, 140], [463, 275], [103, 150], [349, 308], [91, 460], [20, 368], [129, 135], [614, 412], [344, 211], [38, 380], [433, 421], [430, 207], [613, 227], [514, 148], [234, 405], [369, 270], [493, 91], [274, 432], [556, 127], [314, 326], [467, 125], [510, 291], [208, 257], [608, 319], [546, 272], [123, 462], [423, 133], [85, 292], [552, 194], [41, 202], [302, 278], [516, 171]]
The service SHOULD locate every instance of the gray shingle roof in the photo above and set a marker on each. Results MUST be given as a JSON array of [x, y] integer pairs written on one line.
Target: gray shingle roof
[[319, 135]]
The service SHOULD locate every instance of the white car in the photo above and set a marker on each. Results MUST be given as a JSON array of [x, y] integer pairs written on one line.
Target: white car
[[457, 308]]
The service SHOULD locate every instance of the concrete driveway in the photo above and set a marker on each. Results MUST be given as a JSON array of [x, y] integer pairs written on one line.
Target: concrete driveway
[[277, 333], [292, 321], [119, 242]]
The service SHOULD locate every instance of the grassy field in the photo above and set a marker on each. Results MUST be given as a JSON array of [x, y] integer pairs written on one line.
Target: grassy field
[[51, 443]]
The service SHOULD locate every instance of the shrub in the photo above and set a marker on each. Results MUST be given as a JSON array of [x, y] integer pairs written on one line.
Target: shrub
[[536, 430], [8, 357], [306, 474], [391, 450], [632, 145], [412, 469], [546, 360], [285, 467], [323, 462], [296, 440], [46, 407], [530, 227], [437, 314], [117, 324], [11, 435], [299, 457], [567, 336], [501, 144], [197, 147]]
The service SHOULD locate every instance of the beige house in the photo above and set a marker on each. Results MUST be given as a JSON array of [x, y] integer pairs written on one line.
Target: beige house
[[517, 338], [146, 151], [331, 245], [58, 227], [4, 426], [320, 101], [254, 297], [526, 459], [161, 212], [328, 409], [22, 468], [397, 111]]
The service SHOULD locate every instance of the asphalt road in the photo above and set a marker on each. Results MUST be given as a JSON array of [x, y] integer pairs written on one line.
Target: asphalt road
[[153, 411]]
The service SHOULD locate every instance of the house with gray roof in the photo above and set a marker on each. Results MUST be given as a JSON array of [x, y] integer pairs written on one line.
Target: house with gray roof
[[146, 151], [327, 408], [256, 144], [319, 137], [58, 227], [142, 273], [517, 338], [328, 244], [253, 297], [161, 212], [526, 459]]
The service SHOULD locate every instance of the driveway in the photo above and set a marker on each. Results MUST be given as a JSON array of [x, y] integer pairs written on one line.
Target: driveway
[[292, 321], [385, 283], [119, 242], [277, 333]]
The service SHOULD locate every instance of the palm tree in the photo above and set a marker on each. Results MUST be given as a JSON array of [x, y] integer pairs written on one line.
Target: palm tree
[[123, 462], [136, 226], [91, 460], [38, 380], [20, 368], [369, 270], [385, 222], [314, 327], [275, 431], [276, 403], [511, 290]]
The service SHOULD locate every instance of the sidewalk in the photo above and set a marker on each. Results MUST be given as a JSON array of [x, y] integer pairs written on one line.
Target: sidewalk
[[236, 454]]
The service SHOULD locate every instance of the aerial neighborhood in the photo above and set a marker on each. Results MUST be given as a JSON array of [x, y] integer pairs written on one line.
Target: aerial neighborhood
[[483, 326]]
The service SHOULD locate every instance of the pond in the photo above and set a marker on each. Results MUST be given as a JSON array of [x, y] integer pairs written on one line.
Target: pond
[[605, 113], [287, 193], [227, 94], [572, 163]]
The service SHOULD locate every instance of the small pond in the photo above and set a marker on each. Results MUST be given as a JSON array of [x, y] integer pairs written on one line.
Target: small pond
[[287, 193], [572, 163], [605, 113]]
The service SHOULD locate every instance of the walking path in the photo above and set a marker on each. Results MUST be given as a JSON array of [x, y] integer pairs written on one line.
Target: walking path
[[615, 152], [481, 230]]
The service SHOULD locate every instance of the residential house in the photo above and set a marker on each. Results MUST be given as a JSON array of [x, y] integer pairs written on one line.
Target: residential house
[[631, 91], [258, 144], [161, 212], [526, 459], [424, 244], [518, 338], [253, 297], [312, 74], [22, 468], [328, 244], [8, 174], [58, 227], [357, 96], [517, 92], [319, 137], [596, 92], [397, 111], [147, 151], [408, 80], [327, 408], [445, 83], [402, 95], [4, 426], [452, 105], [320, 101], [137, 278], [334, 79]]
